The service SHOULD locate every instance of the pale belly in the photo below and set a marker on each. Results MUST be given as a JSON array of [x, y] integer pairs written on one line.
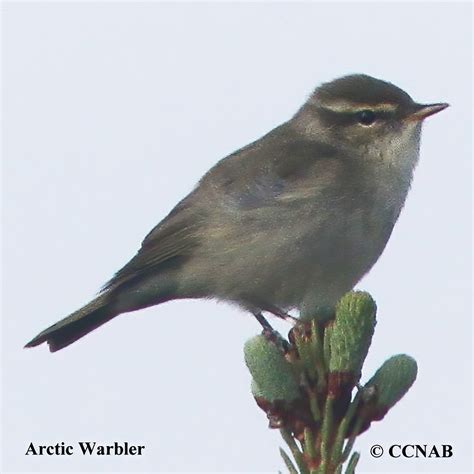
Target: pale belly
[[288, 263]]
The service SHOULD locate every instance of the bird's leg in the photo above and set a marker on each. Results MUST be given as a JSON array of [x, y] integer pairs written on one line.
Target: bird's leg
[[281, 314], [270, 334], [265, 324]]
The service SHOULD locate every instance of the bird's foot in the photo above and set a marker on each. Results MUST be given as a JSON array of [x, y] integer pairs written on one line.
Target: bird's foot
[[271, 334]]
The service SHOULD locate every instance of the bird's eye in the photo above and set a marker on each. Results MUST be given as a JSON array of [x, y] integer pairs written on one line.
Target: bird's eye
[[366, 117]]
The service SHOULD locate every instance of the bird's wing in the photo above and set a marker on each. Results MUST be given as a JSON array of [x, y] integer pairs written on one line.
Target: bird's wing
[[172, 240], [280, 167]]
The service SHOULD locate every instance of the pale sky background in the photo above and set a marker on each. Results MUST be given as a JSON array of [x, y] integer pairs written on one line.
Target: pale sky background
[[111, 113]]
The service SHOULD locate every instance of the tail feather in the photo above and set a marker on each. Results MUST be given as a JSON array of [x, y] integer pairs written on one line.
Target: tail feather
[[78, 324]]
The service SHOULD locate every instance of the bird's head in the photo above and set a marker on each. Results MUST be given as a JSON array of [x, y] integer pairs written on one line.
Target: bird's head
[[364, 114]]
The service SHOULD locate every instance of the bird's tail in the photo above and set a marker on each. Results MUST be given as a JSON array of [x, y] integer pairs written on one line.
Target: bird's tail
[[78, 324]]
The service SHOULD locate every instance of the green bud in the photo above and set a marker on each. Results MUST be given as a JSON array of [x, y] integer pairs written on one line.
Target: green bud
[[391, 382], [273, 376], [348, 338], [256, 392]]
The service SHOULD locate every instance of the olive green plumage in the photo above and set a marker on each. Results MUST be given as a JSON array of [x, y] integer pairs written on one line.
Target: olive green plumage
[[291, 221]]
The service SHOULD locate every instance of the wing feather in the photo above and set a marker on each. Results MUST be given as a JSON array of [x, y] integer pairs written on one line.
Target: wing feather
[[172, 240]]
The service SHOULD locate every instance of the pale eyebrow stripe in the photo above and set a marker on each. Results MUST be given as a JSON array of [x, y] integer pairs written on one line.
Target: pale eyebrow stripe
[[352, 107]]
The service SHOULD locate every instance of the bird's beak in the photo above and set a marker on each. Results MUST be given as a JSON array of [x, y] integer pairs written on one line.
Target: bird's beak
[[422, 111]]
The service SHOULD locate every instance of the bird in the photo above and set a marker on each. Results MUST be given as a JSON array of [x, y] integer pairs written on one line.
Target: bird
[[291, 221]]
